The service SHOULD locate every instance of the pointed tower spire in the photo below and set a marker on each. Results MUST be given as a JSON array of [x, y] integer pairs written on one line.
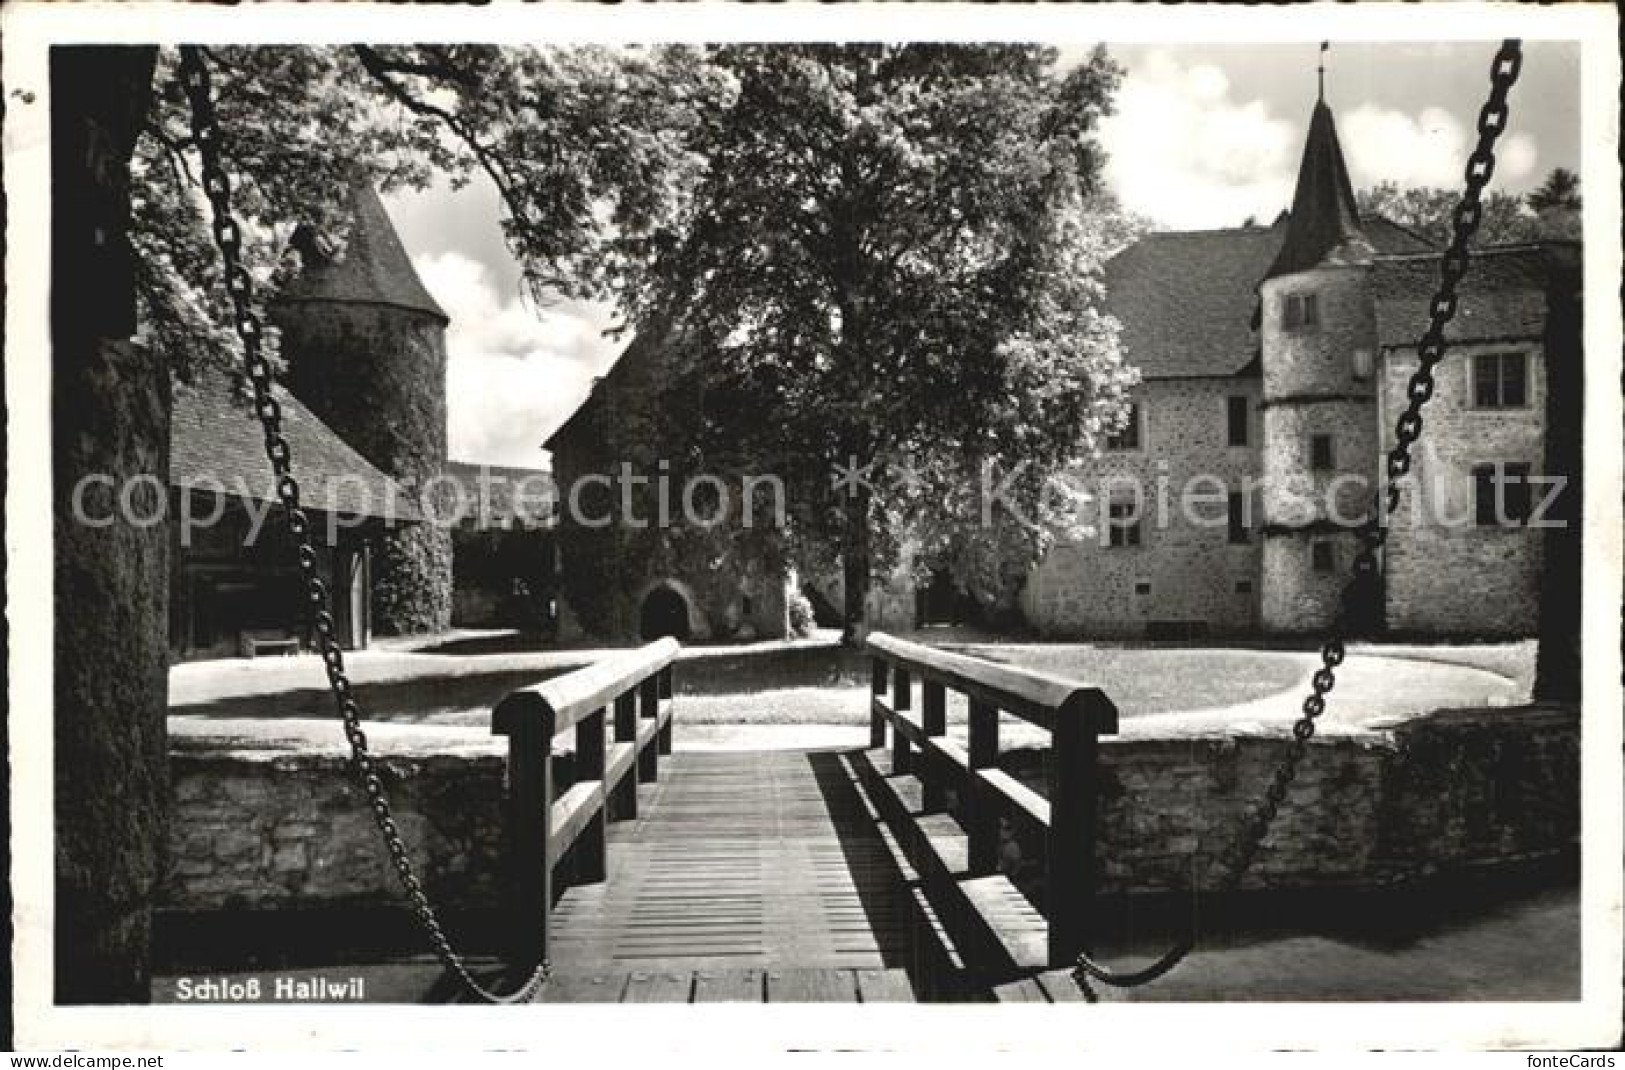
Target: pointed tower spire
[[1321, 71], [1324, 224], [374, 269]]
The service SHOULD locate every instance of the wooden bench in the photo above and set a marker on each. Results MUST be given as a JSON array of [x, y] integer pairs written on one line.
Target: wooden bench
[[252, 643]]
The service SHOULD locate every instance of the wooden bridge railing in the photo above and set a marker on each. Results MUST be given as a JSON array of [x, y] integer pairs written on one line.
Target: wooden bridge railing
[[1075, 717], [540, 829]]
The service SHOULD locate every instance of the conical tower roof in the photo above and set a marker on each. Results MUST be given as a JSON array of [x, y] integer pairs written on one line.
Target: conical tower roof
[[1324, 226], [374, 269]]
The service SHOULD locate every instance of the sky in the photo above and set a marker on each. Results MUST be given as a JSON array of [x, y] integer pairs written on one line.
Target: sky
[[1205, 136]]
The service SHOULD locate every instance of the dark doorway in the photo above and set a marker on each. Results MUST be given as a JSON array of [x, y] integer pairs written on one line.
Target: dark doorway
[[665, 612]]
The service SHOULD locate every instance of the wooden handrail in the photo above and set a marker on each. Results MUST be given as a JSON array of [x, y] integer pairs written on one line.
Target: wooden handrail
[[576, 694], [1035, 697], [540, 829], [1075, 716]]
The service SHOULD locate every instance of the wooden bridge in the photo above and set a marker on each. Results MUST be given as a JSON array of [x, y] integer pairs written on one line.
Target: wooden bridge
[[861, 875]]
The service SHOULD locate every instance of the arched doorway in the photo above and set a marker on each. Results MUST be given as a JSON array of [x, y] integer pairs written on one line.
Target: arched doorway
[[665, 612]]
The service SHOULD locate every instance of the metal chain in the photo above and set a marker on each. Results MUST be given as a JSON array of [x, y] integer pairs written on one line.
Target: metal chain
[[1373, 533], [196, 81]]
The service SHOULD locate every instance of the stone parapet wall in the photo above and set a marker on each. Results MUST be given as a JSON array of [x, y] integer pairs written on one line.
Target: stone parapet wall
[[251, 830], [1449, 791]]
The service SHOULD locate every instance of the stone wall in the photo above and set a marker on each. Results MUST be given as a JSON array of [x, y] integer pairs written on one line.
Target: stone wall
[[1444, 574], [261, 831], [1449, 791], [1185, 568], [376, 374], [1445, 792], [1313, 386]]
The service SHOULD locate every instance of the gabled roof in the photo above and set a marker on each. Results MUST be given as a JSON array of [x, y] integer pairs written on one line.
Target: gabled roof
[[1185, 299], [1502, 298], [215, 445], [374, 270], [1325, 225]]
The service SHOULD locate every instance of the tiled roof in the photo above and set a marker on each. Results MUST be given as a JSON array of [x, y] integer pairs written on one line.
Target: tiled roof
[[1186, 299], [511, 497], [1325, 225], [375, 268], [215, 445], [1503, 296]]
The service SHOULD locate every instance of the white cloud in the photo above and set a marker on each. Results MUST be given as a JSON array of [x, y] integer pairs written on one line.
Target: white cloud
[[1518, 156], [1426, 149], [1429, 148], [1182, 152], [513, 373]]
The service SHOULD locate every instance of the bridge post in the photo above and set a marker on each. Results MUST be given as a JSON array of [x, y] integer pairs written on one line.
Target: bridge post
[[623, 804], [877, 685], [649, 709], [902, 698], [934, 720], [589, 847], [665, 693], [527, 828], [982, 820], [1069, 856]]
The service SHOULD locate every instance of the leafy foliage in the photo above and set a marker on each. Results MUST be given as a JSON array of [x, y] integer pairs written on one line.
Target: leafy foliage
[[893, 258], [1549, 211]]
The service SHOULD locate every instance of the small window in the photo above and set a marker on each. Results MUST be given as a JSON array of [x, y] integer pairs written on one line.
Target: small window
[[1360, 364], [1321, 456], [1500, 381], [1501, 495], [1129, 437], [1300, 312], [1124, 526], [1323, 556], [1238, 519], [1244, 586], [1142, 587], [1236, 414]]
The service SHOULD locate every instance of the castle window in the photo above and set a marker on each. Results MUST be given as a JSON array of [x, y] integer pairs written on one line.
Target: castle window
[[1323, 556], [1236, 418], [1237, 518], [1321, 455], [1129, 437], [1123, 528], [1360, 364], [1142, 587], [1500, 381], [1501, 495], [1300, 312], [1244, 586]]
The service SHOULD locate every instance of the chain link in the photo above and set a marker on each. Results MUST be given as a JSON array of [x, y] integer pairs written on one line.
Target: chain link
[[1357, 594], [196, 81]]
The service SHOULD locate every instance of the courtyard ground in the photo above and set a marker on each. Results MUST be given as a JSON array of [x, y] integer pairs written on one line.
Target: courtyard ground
[[418, 701]]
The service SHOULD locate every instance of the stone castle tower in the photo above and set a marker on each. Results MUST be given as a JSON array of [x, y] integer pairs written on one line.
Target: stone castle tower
[[365, 347], [1318, 338]]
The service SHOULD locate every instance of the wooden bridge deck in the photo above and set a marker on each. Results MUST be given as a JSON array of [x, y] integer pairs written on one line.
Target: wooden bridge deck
[[746, 876]]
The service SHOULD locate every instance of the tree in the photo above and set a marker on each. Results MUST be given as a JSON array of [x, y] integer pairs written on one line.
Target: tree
[[891, 266], [1551, 211], [1560, 190], [578, 143], [1428, 211]]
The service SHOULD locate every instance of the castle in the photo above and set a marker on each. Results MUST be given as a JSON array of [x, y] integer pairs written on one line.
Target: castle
[[1274, 360], [363, 406], [1288, 415]]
